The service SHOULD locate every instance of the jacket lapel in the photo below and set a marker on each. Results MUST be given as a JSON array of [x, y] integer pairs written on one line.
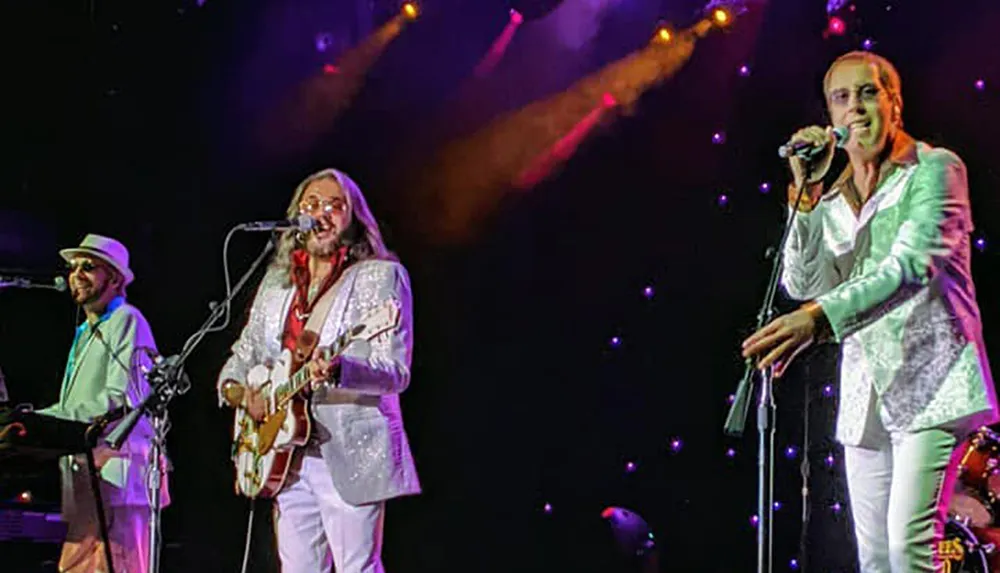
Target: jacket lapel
[[79, 363]]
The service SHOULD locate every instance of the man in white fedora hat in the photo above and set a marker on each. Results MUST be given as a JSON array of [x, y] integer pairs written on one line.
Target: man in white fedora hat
[[103, 373]]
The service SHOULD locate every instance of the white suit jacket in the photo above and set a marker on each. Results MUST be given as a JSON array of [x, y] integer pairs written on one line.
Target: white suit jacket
[[363, 443], [896, 285]]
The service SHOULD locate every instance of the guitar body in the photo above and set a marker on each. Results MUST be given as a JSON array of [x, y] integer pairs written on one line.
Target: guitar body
[[262, 452]]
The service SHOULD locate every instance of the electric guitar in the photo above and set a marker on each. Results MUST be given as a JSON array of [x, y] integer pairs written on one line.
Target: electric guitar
[[262, 451]]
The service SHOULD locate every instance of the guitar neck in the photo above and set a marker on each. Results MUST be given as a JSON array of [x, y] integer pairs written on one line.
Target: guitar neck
[[374, 324], [297, 382]]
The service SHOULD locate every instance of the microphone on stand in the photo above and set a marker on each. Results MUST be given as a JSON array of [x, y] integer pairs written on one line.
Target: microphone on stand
[[57, 284], [301, 223], [808, 150]]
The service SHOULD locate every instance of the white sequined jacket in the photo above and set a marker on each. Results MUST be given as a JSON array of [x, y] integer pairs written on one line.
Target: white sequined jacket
[[896, 286], [361, 439]]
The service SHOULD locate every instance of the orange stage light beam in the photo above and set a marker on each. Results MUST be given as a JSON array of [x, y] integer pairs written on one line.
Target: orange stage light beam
[[469, 177], [312, 109]]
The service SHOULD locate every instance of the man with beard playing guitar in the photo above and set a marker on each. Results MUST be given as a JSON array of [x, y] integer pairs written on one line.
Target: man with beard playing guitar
[[330, 492]]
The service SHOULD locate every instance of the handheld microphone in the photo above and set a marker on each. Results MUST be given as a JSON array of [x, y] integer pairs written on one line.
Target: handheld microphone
[[807, 150], [301, 223], [58, 283]]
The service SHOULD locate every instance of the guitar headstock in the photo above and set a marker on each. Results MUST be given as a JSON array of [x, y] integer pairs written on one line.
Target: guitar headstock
[[376, 322], [380, 320]]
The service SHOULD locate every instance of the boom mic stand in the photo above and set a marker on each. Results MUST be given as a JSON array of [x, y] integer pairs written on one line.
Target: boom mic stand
[[167, 380], [766, 409]]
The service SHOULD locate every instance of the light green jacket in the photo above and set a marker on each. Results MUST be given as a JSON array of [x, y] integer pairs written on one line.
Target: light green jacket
[[102, 373], [895, 284]]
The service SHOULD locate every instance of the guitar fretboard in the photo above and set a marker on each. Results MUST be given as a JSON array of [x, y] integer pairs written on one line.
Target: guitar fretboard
[[298, 381], [295, 383]]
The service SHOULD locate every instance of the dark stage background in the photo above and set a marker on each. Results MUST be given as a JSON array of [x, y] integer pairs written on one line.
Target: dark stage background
[[142, 120]]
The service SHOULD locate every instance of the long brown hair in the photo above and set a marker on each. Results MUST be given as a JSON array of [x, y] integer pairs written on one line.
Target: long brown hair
[[362, 236]]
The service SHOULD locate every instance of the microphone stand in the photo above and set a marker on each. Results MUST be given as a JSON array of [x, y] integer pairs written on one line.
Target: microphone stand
[[91, 436], [766, 409], [167, 380]]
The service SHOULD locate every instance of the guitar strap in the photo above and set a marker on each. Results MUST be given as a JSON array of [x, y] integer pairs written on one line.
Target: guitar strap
[[314, 324]]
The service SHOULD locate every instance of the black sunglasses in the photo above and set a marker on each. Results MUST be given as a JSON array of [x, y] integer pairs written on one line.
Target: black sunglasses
[[85, 266]]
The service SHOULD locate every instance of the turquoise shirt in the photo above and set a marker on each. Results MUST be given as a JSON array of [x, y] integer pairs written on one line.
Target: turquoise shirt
[[87, 329]]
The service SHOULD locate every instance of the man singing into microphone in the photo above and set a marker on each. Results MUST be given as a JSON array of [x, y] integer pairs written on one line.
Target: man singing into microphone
[[882, 257], [332, 505], [104, 373]]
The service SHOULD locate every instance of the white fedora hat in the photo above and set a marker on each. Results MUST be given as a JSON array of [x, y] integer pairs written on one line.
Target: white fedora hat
[[105, 248]]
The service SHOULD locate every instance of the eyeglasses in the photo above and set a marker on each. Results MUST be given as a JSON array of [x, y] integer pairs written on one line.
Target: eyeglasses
[[85, 266], [864, 93], [315, 205]]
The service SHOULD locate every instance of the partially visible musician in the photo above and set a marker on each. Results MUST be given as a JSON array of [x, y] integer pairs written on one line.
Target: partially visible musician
[[102, 374], [332, 506]]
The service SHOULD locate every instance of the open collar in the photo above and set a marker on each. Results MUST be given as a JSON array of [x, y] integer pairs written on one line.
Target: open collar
[[902, 154], [113, 305]]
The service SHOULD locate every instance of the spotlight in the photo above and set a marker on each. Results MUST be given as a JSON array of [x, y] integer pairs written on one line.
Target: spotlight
[[410, 10], [664, 34], [722, 17], [836, 26], [721, 13]]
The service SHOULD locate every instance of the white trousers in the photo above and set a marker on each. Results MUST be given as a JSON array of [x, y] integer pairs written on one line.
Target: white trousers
[[900, 487], [317, 529]]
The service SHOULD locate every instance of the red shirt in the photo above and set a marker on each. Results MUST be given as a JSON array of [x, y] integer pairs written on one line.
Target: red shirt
[[299, 310]]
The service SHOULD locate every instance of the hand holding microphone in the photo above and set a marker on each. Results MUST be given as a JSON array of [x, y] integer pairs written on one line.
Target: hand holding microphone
[[813, 146], [810, 151]]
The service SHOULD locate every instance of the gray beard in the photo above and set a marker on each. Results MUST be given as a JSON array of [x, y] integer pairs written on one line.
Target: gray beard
[[323, 250]]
